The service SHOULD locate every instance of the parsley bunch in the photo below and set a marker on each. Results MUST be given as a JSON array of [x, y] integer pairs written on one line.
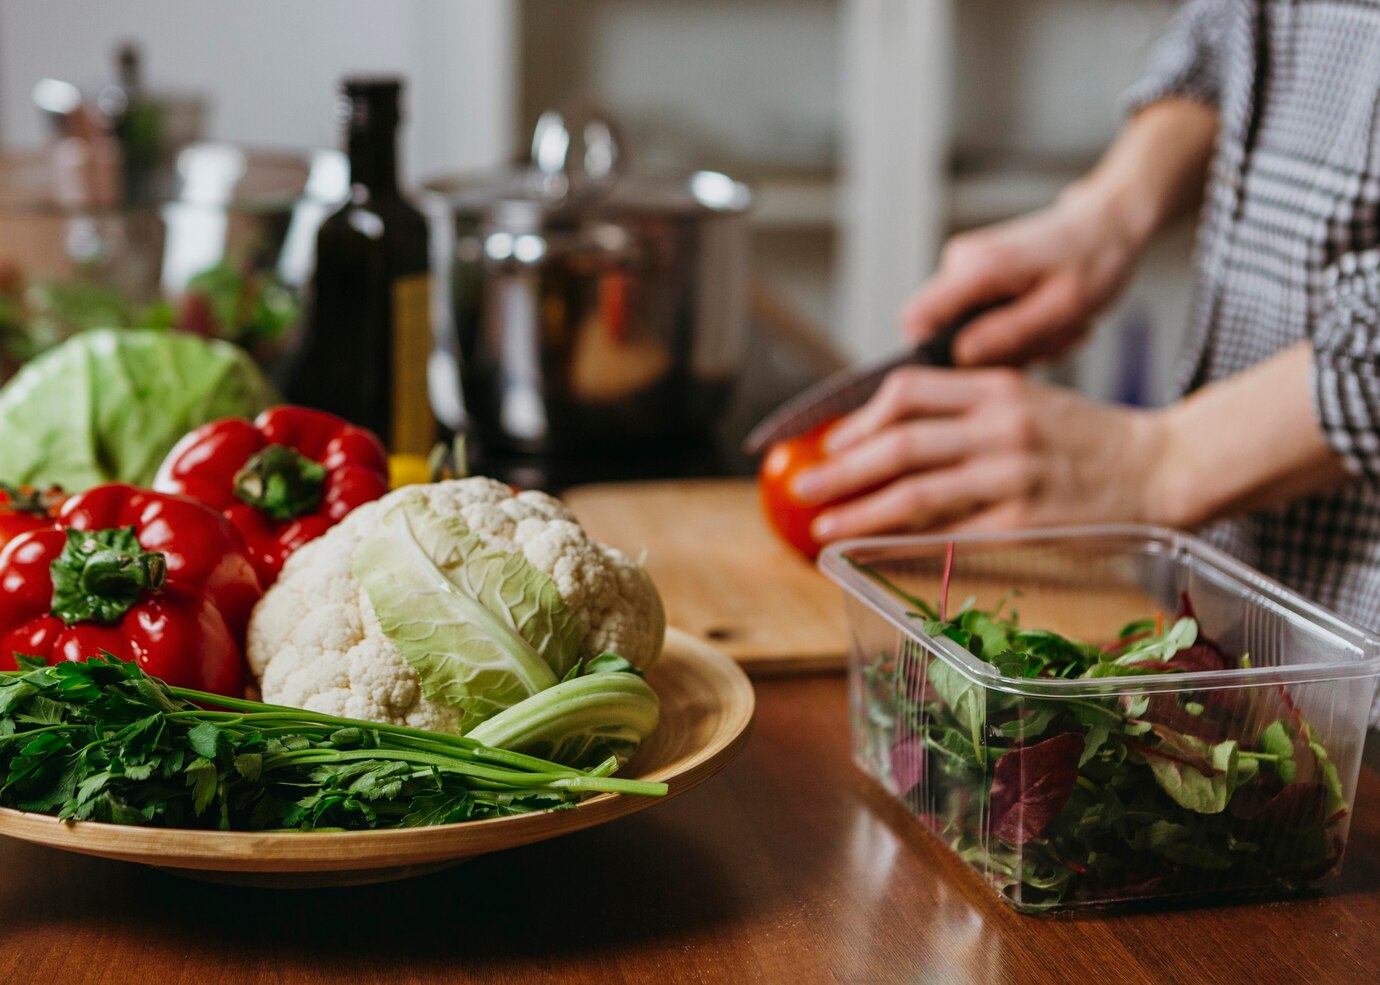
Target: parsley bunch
[[104, 741]]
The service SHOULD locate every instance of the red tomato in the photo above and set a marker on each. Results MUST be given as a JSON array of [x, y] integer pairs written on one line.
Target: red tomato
[[790, 517], [23, 509]]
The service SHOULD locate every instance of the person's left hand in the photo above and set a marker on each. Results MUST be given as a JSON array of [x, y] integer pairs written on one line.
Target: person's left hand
[[984, 449]]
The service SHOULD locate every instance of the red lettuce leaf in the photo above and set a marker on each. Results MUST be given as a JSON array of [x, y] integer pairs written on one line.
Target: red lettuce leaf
[[1298, 805], [1031, 785], [1166, 711], [1203, 655], [908, 761]]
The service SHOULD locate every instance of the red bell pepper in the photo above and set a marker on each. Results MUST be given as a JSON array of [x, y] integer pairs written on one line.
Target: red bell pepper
[[161, 580], [23, 509], [282, 479]]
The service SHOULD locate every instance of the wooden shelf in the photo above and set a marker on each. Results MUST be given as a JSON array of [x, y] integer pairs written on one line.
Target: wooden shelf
[[975, 199], [795, 202]]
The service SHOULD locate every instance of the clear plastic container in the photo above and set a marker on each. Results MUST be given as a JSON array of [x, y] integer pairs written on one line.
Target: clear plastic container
[[1226, 770]]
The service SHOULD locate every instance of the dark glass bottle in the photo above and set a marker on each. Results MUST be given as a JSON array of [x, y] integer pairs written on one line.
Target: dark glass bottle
[[367, 336]]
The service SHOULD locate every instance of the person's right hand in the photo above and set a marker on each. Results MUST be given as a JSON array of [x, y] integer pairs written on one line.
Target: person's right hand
[[1059, 266]]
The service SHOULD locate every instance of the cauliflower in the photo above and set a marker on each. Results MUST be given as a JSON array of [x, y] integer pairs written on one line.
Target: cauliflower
[[316, 643]]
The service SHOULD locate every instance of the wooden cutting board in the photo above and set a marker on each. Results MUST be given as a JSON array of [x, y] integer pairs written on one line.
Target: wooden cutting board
[[723, 575]]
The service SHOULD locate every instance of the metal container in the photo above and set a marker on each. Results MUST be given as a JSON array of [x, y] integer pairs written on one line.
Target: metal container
[[588, 307]]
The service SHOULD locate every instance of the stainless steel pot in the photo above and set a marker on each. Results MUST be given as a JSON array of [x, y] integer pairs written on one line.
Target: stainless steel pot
[[588, 307]]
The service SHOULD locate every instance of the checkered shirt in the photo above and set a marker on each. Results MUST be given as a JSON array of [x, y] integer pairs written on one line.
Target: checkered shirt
[[1289, 249]]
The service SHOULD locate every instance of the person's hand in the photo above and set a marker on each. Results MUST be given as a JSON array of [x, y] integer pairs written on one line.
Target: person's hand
[[1059, 266], [986, 449]]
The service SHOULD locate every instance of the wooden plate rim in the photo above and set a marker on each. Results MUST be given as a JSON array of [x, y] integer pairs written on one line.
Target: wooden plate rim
[[249, 851]]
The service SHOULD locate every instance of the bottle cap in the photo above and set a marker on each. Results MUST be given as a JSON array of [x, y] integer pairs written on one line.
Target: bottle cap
[[370, 101]]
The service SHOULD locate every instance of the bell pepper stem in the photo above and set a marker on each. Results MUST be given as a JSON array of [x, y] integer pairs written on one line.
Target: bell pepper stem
[[111, 573], [100, 574], [22, 499], [281, 482]]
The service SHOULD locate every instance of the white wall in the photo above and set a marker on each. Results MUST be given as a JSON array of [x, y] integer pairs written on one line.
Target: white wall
[[272, 65], [1044, 78], [732, 83]]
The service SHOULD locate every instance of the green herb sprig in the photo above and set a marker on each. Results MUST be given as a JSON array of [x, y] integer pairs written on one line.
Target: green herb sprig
[[104, 741]]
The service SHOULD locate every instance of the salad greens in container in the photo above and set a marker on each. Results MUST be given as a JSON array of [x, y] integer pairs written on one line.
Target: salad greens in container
[[1104, 714]]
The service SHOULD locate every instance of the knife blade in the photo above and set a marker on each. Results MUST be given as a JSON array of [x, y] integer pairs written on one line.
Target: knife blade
[[845, 391]]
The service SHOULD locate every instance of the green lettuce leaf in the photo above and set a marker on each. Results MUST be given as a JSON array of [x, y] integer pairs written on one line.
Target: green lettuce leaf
[[1179, 636], [1181, 845], [1196, 775], [962, 697], [1277, 741], [109, 404]]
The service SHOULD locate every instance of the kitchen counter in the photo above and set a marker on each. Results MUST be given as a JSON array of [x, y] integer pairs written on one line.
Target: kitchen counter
[[790, 866]]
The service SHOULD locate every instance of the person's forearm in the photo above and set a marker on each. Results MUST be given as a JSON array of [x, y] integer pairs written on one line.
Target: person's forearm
[[1156, 169], [1250, 441]]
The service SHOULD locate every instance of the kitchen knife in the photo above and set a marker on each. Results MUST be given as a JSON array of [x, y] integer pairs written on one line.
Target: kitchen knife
[[845, 391]]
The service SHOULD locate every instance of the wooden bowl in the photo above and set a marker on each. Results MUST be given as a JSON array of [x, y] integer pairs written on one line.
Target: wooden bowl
[[706, 708]]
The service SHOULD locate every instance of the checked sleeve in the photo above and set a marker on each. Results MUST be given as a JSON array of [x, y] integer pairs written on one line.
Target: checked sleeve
[[1346, 363], [1187, 61]]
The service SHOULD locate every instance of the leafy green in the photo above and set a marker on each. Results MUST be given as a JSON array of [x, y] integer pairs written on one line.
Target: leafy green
[[108, 405], [1177, 843], [1195, 775], [1277, 741], [56, 310], [1093, 797], [1332, 781], [220, 302], [246, 309], [962, 697], [108, 743], [465, 617], [1179, 637]]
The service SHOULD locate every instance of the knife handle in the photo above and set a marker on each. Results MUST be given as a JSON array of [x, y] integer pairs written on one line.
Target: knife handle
[[938, 349]]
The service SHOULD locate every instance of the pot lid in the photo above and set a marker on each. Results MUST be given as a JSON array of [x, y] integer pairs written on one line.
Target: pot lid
[[579, 169]]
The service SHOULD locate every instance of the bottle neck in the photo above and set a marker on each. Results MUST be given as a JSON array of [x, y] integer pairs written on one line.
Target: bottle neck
[[373, 161]]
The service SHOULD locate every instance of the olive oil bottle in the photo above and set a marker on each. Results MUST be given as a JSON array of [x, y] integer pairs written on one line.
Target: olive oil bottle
[[367, 335]]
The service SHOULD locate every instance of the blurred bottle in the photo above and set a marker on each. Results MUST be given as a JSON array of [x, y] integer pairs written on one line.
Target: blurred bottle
[[367, 337], [137, 123]]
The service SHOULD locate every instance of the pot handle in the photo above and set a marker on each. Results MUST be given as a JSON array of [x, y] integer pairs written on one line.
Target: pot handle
[[576, 157]]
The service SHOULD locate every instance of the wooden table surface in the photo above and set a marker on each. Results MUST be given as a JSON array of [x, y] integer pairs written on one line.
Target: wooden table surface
[[788, 867]]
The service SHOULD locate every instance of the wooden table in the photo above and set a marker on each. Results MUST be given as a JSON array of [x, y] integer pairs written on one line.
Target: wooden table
[[788, 867]]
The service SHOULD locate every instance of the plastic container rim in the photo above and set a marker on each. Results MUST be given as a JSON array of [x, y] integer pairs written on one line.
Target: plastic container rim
[[834, 564]]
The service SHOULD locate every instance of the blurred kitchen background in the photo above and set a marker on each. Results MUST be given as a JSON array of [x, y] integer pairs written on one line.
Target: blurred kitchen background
[[867, 130]]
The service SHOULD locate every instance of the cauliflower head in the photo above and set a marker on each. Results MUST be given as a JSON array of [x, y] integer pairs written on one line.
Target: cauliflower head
[[314, 640]]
